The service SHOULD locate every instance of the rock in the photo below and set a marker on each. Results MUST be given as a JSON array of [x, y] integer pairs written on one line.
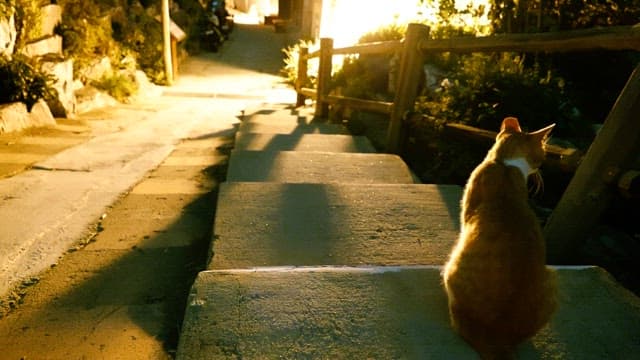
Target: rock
[[145, 87], [89, 98], [41, 115], [8, 34], [15, 117], [51, 16], [65, 104], [96, 70], [45, 46]]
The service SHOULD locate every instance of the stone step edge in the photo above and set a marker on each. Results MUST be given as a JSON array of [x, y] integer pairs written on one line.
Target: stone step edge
[[286, 152], [361, 269]]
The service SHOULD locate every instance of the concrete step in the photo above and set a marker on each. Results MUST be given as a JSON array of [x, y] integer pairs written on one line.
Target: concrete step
[[385, 313], [269, 112], [268, 127], [303, 142], [317, 167], [279, 120], [274, 224]]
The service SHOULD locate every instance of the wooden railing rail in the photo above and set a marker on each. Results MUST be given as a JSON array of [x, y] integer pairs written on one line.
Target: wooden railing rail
[[609, 38]]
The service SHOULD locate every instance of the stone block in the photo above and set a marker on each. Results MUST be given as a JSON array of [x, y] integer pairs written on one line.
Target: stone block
[[45, 46], [96, 70], [51, 16], [65, 104], [41, 115], [8, 35], [89, 98], [15, 117]]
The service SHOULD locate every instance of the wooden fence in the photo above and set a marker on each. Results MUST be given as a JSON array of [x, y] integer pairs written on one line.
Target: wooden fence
[[607, 162]]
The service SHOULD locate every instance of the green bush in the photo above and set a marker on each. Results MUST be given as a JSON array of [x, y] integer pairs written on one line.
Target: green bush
[[367, 76], [86, 33], [291, 57], [28, 18], [7, 8], [21, 79], [143, 36], [481, 89], [113, 28], [118, 85]]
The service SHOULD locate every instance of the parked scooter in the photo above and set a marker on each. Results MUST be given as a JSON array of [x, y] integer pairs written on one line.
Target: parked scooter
[[219, 9], [212, 36]]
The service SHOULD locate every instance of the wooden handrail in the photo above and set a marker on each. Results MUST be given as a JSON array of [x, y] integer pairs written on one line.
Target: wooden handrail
[[609, 38], [566, 159], [369, 105], [379, 47]]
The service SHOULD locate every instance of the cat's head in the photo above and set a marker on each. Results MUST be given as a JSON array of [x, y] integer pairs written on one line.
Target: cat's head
[[512, 144]]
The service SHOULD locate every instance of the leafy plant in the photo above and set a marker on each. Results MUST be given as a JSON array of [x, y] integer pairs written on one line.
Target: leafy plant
[[144, 37], [367, 76], [292, 55], [118, 85], [28, 20], [481, 89], [7, 8], [21, 79], [87, 34]]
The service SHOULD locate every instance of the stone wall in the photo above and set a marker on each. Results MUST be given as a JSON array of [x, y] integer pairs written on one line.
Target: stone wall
[[47, 46], [15, 117]]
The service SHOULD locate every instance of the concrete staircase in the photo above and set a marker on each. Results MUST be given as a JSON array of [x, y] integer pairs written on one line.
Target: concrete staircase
[[324, 249]]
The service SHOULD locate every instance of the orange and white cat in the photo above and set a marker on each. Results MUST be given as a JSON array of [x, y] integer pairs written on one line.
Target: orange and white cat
[[500, 291]]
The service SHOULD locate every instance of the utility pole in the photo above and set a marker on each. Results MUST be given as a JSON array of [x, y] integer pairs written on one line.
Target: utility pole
[[166, 42]]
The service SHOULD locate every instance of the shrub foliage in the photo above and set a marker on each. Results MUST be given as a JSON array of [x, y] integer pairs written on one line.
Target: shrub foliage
[[21, 79]]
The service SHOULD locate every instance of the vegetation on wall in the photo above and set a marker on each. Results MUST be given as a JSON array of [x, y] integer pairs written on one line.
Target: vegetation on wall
[[118, 85], [127, 32], [121, 29], [22, 80], [7, 8], [27, 20]]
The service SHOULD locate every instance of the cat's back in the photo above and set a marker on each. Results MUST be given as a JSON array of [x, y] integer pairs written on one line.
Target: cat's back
[[496, 194]]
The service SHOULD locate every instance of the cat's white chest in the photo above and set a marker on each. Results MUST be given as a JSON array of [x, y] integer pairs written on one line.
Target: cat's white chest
[[521, 164]]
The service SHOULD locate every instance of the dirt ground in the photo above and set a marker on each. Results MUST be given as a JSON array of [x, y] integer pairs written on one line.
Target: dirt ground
[[121, 293]]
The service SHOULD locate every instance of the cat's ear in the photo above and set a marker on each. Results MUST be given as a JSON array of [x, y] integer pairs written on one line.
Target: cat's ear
[[510, 123], [543, 134]]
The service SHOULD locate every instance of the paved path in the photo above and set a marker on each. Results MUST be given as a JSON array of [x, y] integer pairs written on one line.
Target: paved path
[[47, 209]]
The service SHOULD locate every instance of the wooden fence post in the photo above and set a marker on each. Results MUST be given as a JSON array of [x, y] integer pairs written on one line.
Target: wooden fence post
[[409, 75], [324, 77], [593, 185], [301, 79]]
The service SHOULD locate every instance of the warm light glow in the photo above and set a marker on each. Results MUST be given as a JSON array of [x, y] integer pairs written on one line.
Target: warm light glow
[[253, 11], [347, 20]]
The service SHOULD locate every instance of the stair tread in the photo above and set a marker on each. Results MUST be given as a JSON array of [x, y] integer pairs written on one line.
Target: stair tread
[[303, 142], [267, 127], [297, 166], [270, 224], [399, 313]]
